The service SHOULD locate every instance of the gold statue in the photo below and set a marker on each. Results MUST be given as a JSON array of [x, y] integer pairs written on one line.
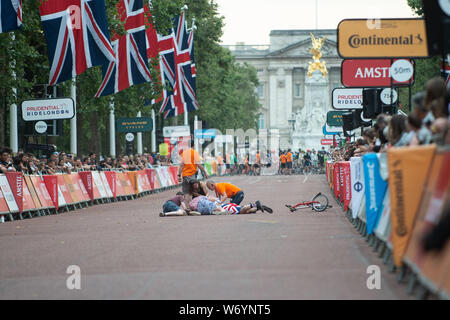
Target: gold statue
[[317, 54]]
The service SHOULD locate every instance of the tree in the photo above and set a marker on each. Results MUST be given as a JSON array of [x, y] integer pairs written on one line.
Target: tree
[[425, 69]]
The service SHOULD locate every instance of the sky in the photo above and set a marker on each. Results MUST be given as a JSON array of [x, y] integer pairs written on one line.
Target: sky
[[250, 21]]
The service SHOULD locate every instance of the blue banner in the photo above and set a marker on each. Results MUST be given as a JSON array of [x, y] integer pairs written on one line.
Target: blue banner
[[375, 189]]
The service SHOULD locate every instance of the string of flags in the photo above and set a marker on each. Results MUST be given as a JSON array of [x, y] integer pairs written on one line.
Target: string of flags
[[77, 37]]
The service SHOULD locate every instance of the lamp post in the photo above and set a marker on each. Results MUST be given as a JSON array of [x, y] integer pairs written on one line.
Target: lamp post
[[292, 121]]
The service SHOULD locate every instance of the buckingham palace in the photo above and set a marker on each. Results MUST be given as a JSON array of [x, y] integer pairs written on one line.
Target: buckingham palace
[[291, 101]]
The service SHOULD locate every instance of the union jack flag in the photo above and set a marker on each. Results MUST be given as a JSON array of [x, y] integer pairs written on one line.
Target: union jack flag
[[10, 15], [172, 104], [77, 36], [130, 66], [185, 43]]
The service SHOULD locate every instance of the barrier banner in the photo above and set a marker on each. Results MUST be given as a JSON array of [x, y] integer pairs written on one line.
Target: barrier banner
[[341, 182], [42, 192], [384, 224], [3, 205], [34, 196], [98, 184], [105, 183], [110, 177], [15, 180], [8, 194], [375, 189], [51, 183], [357, 180], [28, 203], [347, 185], [145, 180], [408, 169], [120, 190], [336, 179], [86, 178], [174, 173], [64, 190], [61, 200], [76, 178], [160, 177], [72, 181], [151, 177], [126, 183], [362, 210], [434, 197]]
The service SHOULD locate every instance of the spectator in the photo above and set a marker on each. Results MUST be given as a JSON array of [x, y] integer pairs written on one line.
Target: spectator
[[6, 164]]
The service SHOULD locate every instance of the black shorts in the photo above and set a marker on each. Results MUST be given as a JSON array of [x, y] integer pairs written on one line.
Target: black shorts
[[186, 186], [283, 165], [289, 165], [237, 198]]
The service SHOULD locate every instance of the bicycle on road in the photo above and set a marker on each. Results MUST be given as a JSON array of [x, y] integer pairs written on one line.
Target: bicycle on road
[[319, 203]]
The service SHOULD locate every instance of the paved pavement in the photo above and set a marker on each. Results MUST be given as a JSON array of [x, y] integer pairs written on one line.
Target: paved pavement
[[126, 251]]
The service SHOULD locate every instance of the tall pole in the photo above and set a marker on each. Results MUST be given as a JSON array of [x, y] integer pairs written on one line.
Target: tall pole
[[112, 129], [73, 121], [139, 137], [13, 139], [153, 132], [195, 128], [186, 118]]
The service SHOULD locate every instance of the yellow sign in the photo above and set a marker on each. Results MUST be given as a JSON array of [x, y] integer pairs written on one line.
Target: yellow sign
[[382, 38], [164, 149]]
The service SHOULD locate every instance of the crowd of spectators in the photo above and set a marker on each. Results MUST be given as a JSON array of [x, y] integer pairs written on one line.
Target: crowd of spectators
[[428, 122], [61, 162]]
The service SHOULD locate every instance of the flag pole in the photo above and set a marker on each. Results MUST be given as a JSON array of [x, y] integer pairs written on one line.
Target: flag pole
[[139, 137], [153, 132], [73, 121], [13, 140], [112, 129]]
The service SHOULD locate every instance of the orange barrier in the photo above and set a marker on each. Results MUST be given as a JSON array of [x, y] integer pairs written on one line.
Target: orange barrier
[[432, 266], [3, 205], [41, 192]]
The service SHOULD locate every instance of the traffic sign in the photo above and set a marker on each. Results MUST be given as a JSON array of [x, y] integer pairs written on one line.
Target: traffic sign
[[140, 124], [388, 96], [366, 73], [332, 131], [402, 70], [326, 142], [334, 118], [176, 131], [40, 127], [205, 134], [382, 38], [347, 98], [129, 137]]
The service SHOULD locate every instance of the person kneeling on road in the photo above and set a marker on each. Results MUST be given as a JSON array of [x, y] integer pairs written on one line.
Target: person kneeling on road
[[174, 206], [226, 191]]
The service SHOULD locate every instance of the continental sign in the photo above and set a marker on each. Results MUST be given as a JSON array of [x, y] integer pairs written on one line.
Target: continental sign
[[130, 125], [369, 73], [382, 38]]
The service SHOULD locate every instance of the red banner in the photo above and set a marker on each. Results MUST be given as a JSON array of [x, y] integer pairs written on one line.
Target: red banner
[[86, 177], [364, 73], [15, 180], [336, 180], [341, 181], [151, 176], [347, 190], [51, 183], [111, 178]]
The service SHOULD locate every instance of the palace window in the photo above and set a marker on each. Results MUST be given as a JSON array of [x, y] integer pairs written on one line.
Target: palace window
[[298, 90]]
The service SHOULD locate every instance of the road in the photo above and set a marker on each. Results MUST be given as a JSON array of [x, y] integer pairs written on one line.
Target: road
[[126, 251]]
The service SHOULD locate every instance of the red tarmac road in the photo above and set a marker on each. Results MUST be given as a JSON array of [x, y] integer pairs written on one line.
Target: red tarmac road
[[126, 251]]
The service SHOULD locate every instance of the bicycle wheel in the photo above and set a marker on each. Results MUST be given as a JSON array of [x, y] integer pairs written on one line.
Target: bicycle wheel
[[320, 202]]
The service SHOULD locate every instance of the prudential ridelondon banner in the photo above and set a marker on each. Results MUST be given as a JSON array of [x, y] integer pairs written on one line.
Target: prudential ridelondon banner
[[357, 181], [375, 189]]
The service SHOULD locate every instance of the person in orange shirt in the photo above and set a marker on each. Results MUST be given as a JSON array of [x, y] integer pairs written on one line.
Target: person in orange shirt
[[283, 163], [289, 161], [226, 191], [190, 161]]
